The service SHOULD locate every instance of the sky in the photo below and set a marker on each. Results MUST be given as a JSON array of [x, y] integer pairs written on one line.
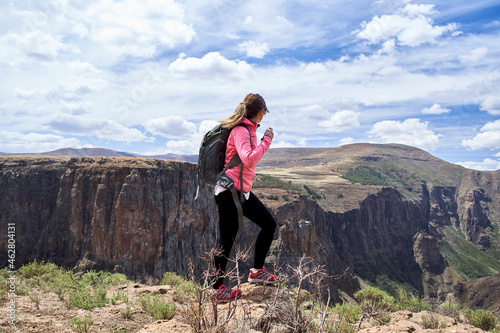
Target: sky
[[152, 77]]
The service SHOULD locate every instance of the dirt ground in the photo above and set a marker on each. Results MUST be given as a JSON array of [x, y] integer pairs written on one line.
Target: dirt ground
[[52, 314]]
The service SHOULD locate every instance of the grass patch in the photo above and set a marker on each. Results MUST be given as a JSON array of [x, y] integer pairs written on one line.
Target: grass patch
[[374, 299], [408, 300], [313, 194], [183, 288], [365, 176], [156, 307], [119, 296], [482, 319], [431, 321], [81, 325], [348, 312], [87, 299], [468, 260], [86, 291], [265, 181]]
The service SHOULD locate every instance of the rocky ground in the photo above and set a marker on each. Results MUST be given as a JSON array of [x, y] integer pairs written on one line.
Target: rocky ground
[[52, 314]]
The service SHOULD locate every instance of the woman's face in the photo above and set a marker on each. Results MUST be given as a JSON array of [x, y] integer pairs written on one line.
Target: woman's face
[[260, 115]]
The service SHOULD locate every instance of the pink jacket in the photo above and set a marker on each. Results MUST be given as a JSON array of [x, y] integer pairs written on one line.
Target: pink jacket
[[239, 141]]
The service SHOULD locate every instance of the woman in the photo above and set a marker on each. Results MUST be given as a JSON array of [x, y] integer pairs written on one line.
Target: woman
[[250, 113]]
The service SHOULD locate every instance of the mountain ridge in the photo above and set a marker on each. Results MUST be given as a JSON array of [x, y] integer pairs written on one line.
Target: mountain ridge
[[103, 152], [357, 148]]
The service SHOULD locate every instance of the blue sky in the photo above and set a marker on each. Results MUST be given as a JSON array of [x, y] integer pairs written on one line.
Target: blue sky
[[151, 77]]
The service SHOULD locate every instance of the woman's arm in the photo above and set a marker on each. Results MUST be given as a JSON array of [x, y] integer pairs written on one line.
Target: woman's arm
[[250, 157]]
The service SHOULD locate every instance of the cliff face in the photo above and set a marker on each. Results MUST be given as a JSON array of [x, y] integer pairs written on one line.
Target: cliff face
[[134, 216], [139, 217], [479, 199]]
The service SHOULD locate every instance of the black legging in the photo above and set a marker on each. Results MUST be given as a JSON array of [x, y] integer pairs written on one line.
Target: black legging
[[253, 209]]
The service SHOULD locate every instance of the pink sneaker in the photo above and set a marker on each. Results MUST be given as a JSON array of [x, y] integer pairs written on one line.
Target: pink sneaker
[[262, 276], [225, 294]]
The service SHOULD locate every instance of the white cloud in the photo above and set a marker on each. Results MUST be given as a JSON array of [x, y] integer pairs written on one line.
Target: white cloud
[[181, 146], [137, 27], [410, 27], [254, 49], [435, 109], [488, 138], [211, 66], [36, 46], [170, 127], [302, 142], [341, 121], [248, 19], [17, 142], [100, 30], [282, 144], [491, 105], [411, 132], [315, 111], [191, 142], [485, 165], [414, 10], [207, 125], [346, 141], [73, 91], [492, 24], [98, 127], [474, 55]]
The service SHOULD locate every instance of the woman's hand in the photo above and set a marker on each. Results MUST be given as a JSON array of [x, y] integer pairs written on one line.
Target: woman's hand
[[269, 132]]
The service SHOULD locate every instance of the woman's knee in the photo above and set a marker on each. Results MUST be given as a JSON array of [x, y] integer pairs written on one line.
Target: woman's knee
[[271, 226]]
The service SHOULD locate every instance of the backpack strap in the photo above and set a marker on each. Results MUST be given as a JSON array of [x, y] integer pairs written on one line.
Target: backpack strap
[[229, 184], [226, 182]]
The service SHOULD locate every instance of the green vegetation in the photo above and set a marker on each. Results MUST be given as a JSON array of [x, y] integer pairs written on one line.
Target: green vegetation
[[81, 325], [87, 299], [119, 296], [86, 291], [365, 176], [402, 172], [495, 239], [183, 288], [481, 318], [432, 322], [408, 299], [376, 304], [265, 181], [292, 306], [467, 259], [157, 308], [273, 197], [312, 193]]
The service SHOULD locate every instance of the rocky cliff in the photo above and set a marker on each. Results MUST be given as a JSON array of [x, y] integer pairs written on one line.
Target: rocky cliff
[[135, 216], [139, 217]]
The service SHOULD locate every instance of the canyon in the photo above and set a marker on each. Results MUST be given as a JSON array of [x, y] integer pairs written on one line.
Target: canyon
[[377, 213]]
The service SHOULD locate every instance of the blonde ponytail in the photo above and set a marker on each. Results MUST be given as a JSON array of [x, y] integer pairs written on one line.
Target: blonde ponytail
[[236, 117]]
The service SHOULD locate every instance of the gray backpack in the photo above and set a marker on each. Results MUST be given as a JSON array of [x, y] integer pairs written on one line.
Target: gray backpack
[[211, 158]]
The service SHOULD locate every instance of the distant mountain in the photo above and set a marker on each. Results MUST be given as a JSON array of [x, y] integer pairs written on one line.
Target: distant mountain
[[185, 158], [84, 152], [96, 152]]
